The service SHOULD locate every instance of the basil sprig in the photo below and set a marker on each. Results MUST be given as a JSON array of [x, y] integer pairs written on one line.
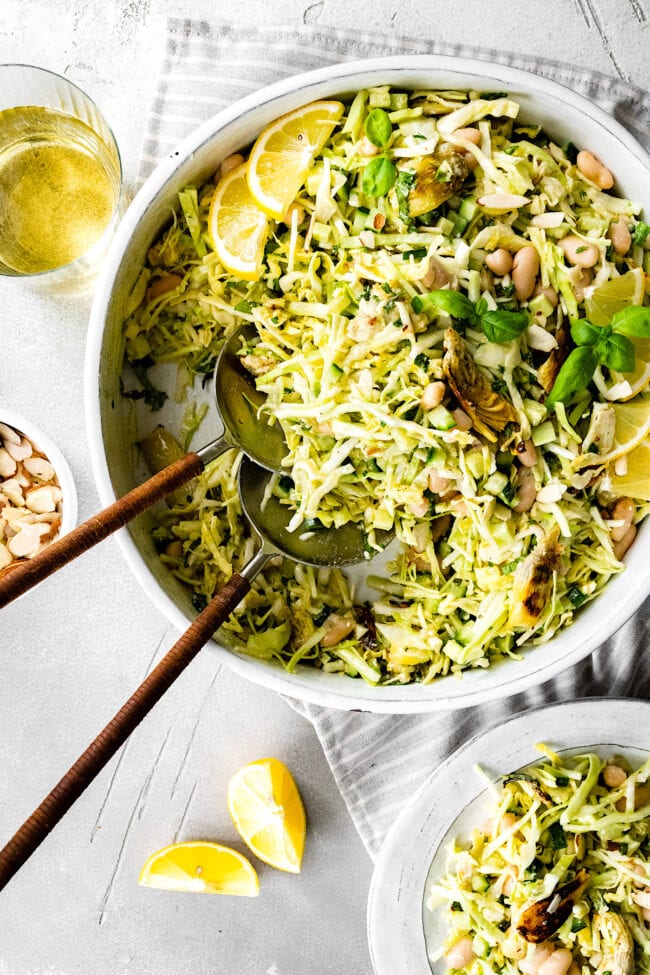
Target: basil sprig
[[380, 174], [498, 325], [606, 345]]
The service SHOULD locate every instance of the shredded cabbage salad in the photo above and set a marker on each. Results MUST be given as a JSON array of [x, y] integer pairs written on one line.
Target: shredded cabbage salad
[[373, 383], [561, 868]]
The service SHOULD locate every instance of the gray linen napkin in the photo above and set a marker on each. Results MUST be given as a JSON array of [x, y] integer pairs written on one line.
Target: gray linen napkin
[[380, 761]]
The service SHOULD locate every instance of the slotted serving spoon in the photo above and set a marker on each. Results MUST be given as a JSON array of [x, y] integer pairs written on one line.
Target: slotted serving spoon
[[268, 519], [238, 401]]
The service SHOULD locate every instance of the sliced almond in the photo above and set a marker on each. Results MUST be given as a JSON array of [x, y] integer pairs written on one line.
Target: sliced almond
[[503, 201], [20, 451], [12, 490], [8, 434], [8, 465], [551, 218], [26, 542], [39, 468], [6, 557], [43, 499]]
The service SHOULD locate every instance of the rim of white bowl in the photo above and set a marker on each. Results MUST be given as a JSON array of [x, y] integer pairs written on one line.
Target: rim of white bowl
[[395, 699], [69, 503]]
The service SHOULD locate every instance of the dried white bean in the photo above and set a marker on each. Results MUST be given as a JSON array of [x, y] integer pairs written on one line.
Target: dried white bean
[[557, 964], [578, 252], [620, 236], [593, 169], [614, 776], [433, 395], [526, 453], [461, 954], [499, 261], [524, 271], [623, 513], [620, 548], [230, 163]]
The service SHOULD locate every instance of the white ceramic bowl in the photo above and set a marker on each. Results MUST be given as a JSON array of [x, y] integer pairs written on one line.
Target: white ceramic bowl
[[402, 931], [64, 475], [565, 115]]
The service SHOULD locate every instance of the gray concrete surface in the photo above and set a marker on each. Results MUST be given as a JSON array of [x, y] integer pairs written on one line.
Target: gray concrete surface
[[75, 648]]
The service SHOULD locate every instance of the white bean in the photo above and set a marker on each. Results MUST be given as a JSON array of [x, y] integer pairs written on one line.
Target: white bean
[[624, 513], [526, 453], [438, 483], [499, 261], [614, 776], [620, 548], [433, 395], [463, 421], [531, 966], [578, 252], [580, 283], [524, 271], [620, 236], [593, 169], [558, 963], [460, 954], [230, 162], [526, 490], [549, 293], [470, 135]]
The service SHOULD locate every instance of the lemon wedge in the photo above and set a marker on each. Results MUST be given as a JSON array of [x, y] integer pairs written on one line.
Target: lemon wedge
[[633, 382], [266, 808], [632, 427], [602, 303], [635, 483], [237, 226], [283, 153], [200, 868]]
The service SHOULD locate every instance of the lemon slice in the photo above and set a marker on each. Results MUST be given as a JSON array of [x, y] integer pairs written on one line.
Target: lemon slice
[[266, 808], [635, 483], [200, 868], [632, 427], [602, 303], [285, 150], [237, 226], [635, 381]]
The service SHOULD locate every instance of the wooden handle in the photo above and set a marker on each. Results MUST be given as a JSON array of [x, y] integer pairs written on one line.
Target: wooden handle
[[101, 750], [20, 579]]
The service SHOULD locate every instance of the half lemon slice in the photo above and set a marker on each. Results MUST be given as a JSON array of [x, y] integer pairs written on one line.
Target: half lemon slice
[[266, 808], [632, 427], [237, 226], [283, 153], [200, 868]]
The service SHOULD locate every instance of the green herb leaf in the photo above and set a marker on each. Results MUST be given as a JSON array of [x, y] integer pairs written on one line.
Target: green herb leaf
[[617, 352], [640, 233], [584, 333], [405, 180], [451, 302], [503, 326], [558, 836], [575, 374], [378, 127], [378, 177], [633, 320]]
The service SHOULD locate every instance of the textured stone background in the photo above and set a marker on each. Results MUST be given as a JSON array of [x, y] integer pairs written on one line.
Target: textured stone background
[[72, 651]]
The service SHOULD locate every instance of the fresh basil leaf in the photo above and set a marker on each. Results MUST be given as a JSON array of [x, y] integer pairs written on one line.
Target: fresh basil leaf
[[452, 302], [640, 233], [584, 333], [378, 177], [378, 127], [575, 374], [633, 320], [503, 326], [618, 353]]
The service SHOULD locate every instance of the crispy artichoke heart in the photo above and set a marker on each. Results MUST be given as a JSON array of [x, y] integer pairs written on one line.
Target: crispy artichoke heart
[[438, 177], [533, 580], [549, 369], [488, 410], [616, 943], [536, 923]]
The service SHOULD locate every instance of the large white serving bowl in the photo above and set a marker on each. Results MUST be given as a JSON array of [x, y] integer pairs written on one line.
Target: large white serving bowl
[[566, 116]]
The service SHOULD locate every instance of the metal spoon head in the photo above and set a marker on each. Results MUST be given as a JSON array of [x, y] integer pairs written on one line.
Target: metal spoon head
[[238, 401], [321, 547]]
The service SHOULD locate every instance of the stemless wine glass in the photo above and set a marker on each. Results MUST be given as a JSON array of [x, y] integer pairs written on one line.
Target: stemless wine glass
[[60, 179]]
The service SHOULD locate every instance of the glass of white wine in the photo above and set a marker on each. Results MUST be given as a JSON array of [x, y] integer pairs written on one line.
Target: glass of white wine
[[60, 179]]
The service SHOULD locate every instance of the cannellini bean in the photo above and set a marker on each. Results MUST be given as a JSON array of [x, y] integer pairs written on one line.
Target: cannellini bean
[[438, 483], [642, 898], [623, 514], [337, 629], [499, 261], [578, 252], [580, 283], [614, 776], [526, 490], [549, 293], [419, 508], [436, 274], [621, 547], [524, 271], [463, 422], [620, 236], [526, 453], [531, 966], [557, 964], [592, 169], [460, 954], [470, 135], [230, 163], [299, 212], [433, 395], [641, 798]]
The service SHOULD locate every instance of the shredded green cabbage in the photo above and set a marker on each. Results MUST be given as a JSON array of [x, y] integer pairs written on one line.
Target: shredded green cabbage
[[348, 366]]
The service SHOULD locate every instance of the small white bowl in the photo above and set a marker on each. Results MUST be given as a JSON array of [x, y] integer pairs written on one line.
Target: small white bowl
[[63, 473], [566, 116]]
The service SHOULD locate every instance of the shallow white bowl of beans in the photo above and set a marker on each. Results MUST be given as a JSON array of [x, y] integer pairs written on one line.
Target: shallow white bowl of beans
[[566, 116]]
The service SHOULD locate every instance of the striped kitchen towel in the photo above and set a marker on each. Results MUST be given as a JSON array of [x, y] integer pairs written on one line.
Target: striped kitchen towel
[[380, 761]]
